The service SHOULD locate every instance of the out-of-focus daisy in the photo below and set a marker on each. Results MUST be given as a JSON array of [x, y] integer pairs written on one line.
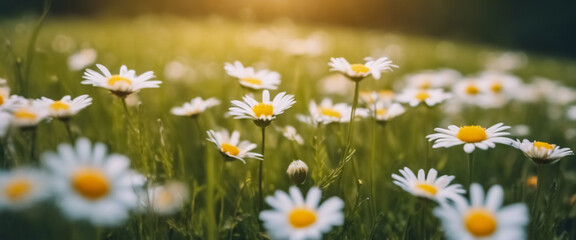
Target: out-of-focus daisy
[[470, 91], [29, 115], [166, 199], [327, 112], [430, 79], [499, 88], [335, 84], [262, 112], [542, 152], [471, 136], [483, 218], [195, 107], [231, 147], [23, 187], [520, 130], [297, 218], [430, 97], [505, 61], [4, 95], [82, 59], [384, 111], [122, 84], [369, 98], [359, 71], [92, 185], [291, 134], [252, 79], [10, 102], [5, 119], [66, 107], [430, 187]]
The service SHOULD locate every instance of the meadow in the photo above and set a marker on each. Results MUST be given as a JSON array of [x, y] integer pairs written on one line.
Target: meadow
[[221, 196]]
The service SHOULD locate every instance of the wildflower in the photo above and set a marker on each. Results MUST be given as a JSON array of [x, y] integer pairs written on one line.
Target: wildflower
[[66, 107], [471, 136], [357, 72], [29, 114], [297, 171], [5, 119], [82, 59], [290, 133], [23, 187], [430, 79], [483, 218], [195, 107], [262, 112], [369, 98], [92, 185], [251, 79], [231, 147], [327, 112], [430, 97], [122, 84], [384, 111], [470, 91], [542, 152], [430, 187], [296, 217], [166, 199]]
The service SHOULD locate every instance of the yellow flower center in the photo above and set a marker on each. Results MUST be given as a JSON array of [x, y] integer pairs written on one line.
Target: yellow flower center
[[1, 100], [25, 114], [116, 79], [302, 217], [381, 111], [422, 95], [330, 112], [164, 198], [253, 81], [472, 90], [263, 109], [91, 183], [496, 87], [229, 149], [427, 188], [532, 181], [480, 222], [471, 134], [544, 145], [424, 84], [17, 189], [59, 105], [359, 68]]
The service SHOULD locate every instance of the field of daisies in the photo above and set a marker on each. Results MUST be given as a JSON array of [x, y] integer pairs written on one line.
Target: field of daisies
[[166, 128]]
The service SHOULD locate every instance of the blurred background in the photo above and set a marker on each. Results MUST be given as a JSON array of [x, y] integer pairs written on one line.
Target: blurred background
[[547, 28]]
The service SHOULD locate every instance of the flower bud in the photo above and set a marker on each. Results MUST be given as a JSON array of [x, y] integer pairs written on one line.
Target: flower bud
[[297, 171]]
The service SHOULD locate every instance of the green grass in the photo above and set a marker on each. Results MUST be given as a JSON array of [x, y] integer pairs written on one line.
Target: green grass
[[163, 146]]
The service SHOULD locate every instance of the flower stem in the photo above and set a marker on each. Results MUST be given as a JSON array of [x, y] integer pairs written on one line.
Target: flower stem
[[210, 202], [538, 187], [261, 170], [349, 138], [69, 130], [470, 167]]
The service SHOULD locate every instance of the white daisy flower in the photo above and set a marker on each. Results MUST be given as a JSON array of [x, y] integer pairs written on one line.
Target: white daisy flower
[[251, 79], [297, 218], [10, 102], [23, 187], [262, 112], [359, 71], [470, 91], [327, 112], [431, 187], [82, 59], [430, 97], [483, 218], [28, 115], [122, 84], [5, 119], [429, 79], [290, 133], [92, 185], [4, 95], [231, 147], [66, 107], [384, 111], [542, 152], [166, 199], [369, 98], [471, 136], [194, 107]]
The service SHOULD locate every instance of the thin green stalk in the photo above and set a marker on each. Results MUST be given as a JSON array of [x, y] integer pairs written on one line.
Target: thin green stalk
[[31, 46], [372, 167], [210, 208], [349, 138], [538, 187], [261, 170], [68, 130], [423, 211], [470, 167]]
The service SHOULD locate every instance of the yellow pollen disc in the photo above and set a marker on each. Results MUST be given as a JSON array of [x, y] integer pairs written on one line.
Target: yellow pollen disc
[[17, 189], [114, 80], [532, 181], [471, 134], [253, 81], [544, 145], [472, 90], [91, 183], [302, 217], [1, 100], [427, 188], [330, 112], [25, 114], [422, 95], [263, 109], [425, 84], [381, 111], [480, 222], [229, 149], [165, 198], [59, 105], [359, 68], [496, 87]]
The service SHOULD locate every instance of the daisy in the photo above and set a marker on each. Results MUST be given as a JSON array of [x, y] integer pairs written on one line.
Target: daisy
[[166, 199], [28, 114], [327, 112], [66, 107], [231, 147], [92, 185], [10, 102], [5, 119], [262, 112], [122, 84], [470, 91], [297, 218], [195, 107], [430, 187], [251, 79], [430, 97], [483, 218], [82, 59], [23, 187], [359, 71], [428, 79], [384, 111], [290, 133], [471, 136], [542, 152], [370, 98]]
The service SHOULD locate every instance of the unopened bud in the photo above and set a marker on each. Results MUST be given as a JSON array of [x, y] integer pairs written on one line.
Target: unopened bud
[[297, 171]]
